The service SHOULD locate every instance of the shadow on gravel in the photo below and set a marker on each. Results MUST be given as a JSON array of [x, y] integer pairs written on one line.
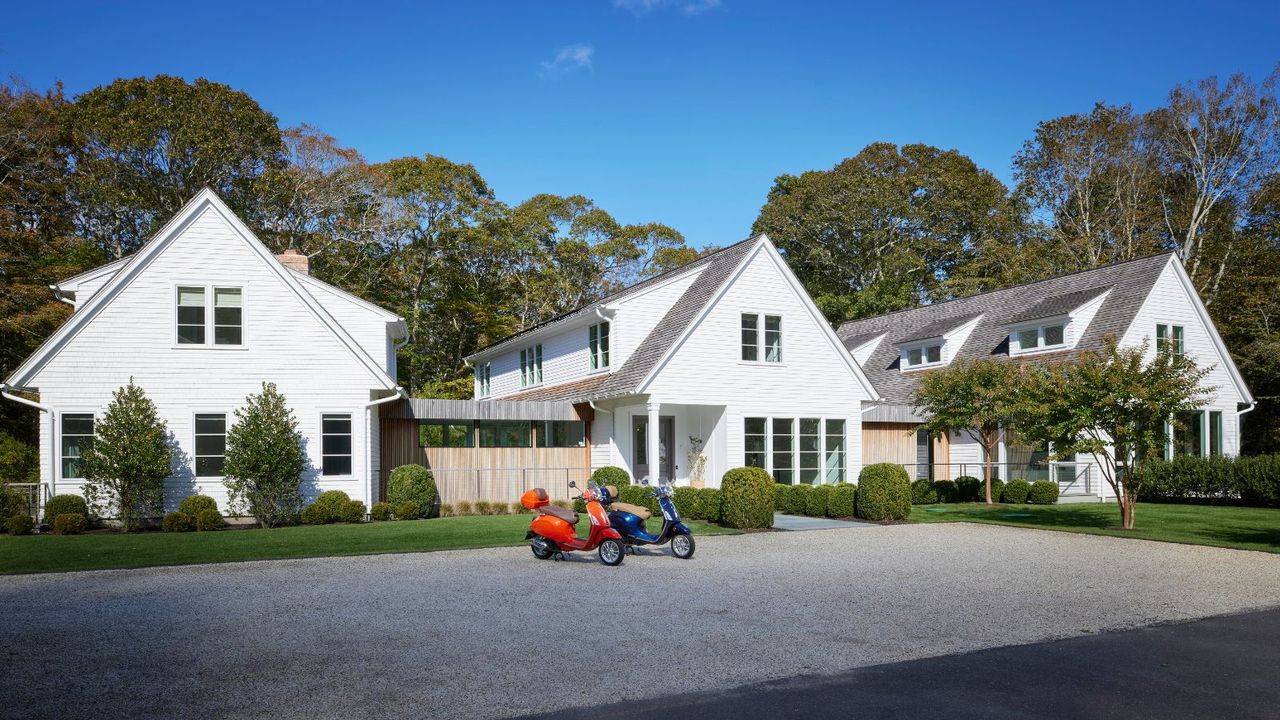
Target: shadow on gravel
[[1222, 667]]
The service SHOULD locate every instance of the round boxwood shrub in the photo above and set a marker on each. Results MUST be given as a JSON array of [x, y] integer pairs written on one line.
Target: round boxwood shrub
[[61, 504], [799, 499], [1016, 491], [410, 510], [968, 489], [816, 504], [382, 511], [946, 490], [685, 498], [329, 507], [611, 475], [884, 492], [997, 491], [782, 498], [708, 504], [193, 505], [841, 502], [412, 482], [923, 492], [69, 524], [21, 525], [747, 498], [177, 522], [353, 512], [1043, 492], [210, 519]]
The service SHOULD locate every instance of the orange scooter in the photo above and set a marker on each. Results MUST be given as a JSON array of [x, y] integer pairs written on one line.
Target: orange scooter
[[552, 534]]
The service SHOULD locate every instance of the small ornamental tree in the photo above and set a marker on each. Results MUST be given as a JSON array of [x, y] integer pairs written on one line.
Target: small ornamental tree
[[974, 398], [129, 459], [264, 462], [1115, 405]]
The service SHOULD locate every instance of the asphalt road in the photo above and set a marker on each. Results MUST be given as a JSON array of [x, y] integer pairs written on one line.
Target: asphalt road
[[496, 633]]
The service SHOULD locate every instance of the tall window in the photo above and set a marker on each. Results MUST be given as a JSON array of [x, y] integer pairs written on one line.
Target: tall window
[[190, 316], [483, 373], [755, 439], [444, 433], [783, 446], [211, 444], [1215, 433], [77, 437], [531, 366], [228, 327], [505, 434], [1188, 434], [562, 434], [835, 461], [772, 338], [810, 451], [335, 444], [1172, 338], [750, 337], [598, 345]]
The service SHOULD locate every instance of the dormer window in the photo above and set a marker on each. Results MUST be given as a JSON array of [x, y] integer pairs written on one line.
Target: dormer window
[[1039, 337], [922, 355]]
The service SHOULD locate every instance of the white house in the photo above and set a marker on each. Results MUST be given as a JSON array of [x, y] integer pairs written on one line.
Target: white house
[[199, 318], [1149, 299]]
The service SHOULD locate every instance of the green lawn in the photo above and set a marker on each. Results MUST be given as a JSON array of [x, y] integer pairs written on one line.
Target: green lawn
[[48, 553], [1241, 528]]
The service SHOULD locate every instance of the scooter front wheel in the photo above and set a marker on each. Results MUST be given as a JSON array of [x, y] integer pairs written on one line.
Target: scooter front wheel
[[611, 552], [682, 546]]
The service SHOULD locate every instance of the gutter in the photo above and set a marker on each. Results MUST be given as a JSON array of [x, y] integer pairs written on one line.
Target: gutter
[[368, 430], [53, 474]]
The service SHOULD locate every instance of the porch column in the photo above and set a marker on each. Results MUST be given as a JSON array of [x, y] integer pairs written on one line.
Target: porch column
[[651, 441]]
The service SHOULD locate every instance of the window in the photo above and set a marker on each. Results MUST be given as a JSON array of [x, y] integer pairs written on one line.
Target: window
[[782, 450], [227, 317], [924, 355], [810, 451], [562, 434], [505, 434], [211, 444], [77, 438], [772, 338], [598, 345], [755, 438], [1215, 433], [444, 433], [835, 451], [750, 337], [335, 444], [1171, 338], [483, 373], [1054, 335], [1041, 336], [190, 316], [1188, 434], [531, 366]]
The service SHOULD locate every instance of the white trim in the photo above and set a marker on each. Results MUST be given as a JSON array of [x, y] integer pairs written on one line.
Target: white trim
[[57, 441], [227, 416], [210, 328], [73, 283], [1039, 326], [1203, 313], [307, 279], [351, 434]]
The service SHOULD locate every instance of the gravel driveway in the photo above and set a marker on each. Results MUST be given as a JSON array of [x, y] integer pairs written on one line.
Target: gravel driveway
[[485, 633]]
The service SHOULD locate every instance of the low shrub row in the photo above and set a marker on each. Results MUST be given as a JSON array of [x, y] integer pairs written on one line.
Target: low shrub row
[[1253, 480], [970, 489], [333, 506], [195, 512], [833, 501]]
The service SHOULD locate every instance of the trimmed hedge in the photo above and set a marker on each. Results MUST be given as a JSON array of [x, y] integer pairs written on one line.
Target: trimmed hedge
[[382, 511], [21, 525], [747, 498], [637, 495], [1253, 481], [709, 501], [177, 522], [800, 498], [1015, 492], [193, 505], [819, 498], [884, 492], [842, 501], [611, 475], [685, 499], [209, 519], [410, 510], [62, 504], [69, 524], [923, 492], [969, 489], [782, 498], [412, 482], [1043, 492], [946, 490], [331, 506]]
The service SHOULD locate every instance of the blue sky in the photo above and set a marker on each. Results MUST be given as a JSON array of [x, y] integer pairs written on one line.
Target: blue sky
[[680, 111]]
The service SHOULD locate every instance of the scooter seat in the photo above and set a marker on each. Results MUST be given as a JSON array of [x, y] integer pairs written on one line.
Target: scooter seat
[[564, 514], [640, 512]]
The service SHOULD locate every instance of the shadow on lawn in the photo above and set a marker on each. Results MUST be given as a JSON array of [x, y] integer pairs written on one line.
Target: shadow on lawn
[[1245, 536], [1093, 517]]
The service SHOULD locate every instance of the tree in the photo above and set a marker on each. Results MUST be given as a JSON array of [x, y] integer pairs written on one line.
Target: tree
[[1114, 405], [264, 460], [143, 147], [882, 230], [975, 398], [131, 455]]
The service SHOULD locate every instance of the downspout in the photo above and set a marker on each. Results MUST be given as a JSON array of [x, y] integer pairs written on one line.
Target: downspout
[[57, 293], [1239, 422], [53, 470], [368, 446]]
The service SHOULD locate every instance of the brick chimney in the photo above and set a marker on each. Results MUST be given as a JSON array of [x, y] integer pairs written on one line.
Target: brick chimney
[[295, 260]]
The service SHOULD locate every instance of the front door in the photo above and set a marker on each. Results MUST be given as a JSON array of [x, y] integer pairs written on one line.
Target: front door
[[640, 447]]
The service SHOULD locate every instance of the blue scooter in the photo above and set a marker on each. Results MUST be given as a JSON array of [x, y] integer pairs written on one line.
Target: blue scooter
[[629, 519]]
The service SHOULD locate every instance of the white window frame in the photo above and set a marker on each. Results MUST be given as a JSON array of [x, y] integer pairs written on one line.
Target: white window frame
[[194, 448], [598, 360], [762, 349], [1178, 340], [823, 451], [484, 380], [320, 476], [209, 310], [923, 346], [58, 439], [531, 374], [1039, 326]]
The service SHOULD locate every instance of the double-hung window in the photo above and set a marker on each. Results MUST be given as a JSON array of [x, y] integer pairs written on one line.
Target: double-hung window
[[197, 322], [598, 345], [1170, 338], [531, 366], [77, 438], [810, 451], [191, 320], [483, 373], [755, 437], [750, 337], [921, 355], [335, 444], [211, 444], [1041, 337], [783, 447], [752, 341]]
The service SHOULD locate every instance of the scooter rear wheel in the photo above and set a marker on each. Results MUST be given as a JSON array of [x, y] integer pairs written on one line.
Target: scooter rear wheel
[[682, 546], [611, 552], [542, 553]]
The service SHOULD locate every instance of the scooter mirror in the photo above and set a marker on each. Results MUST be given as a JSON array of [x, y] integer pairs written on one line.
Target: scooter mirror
[[573, 484]]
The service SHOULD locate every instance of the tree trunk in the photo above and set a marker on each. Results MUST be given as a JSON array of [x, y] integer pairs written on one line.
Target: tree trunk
[[1131, 501], [992, 439]]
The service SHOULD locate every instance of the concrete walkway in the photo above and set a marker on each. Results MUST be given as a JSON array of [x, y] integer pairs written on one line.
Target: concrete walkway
[[782, 521]]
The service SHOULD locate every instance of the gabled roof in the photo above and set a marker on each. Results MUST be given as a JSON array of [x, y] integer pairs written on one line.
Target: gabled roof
[[1129, 283], [853, 342], [937, 328], [132, 266], [73, 283]]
